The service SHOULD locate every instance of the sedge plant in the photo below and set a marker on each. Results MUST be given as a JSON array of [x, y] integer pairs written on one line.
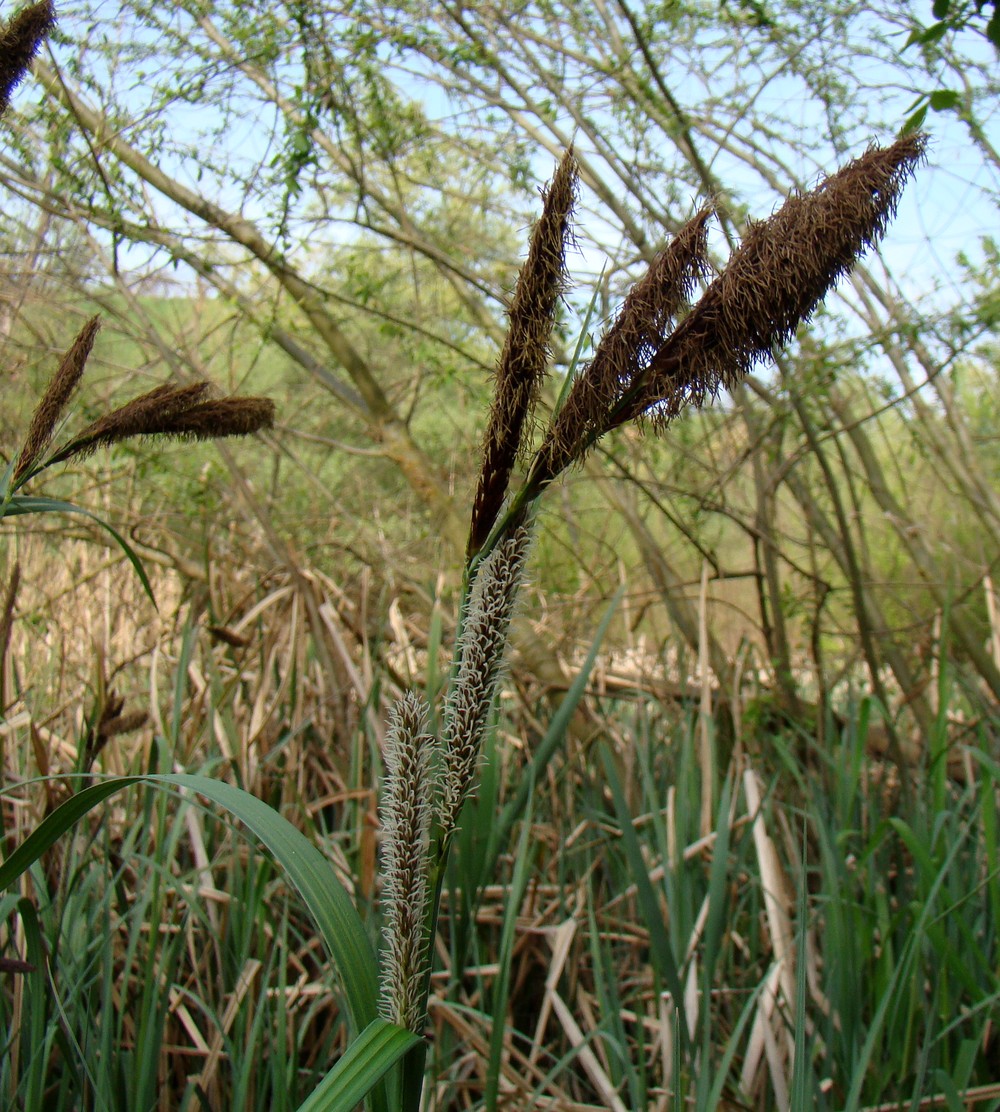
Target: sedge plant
[[664, 351], [658, 356]]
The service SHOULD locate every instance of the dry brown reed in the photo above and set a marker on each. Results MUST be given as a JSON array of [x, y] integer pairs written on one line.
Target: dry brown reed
[[524, 358], [6, 628], [20, 40]]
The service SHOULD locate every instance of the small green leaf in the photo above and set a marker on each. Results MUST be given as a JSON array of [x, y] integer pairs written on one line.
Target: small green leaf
[[916, 121], [934, 33], [993, 27], [943, 99]]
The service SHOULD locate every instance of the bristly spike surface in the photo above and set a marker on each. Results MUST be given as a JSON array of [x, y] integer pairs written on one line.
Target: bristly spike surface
[[646, 319], [774, 281], [408, 799], [173, 411], [525, 354], [55, 399], [20, 40], [646, 369], [480, 667]]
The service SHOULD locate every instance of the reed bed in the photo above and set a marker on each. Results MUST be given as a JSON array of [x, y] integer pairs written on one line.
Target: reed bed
[[830, 943]]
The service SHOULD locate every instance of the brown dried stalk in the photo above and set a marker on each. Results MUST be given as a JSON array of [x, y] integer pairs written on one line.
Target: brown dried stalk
[[643, 324], [525, 354], [7, 627], [773, 282], [54, 400], [20, 40]]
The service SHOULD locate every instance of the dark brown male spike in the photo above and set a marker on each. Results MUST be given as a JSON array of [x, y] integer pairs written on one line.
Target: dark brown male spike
[[136, 418], [525, 354], [20, 39], [647, 316], [773, 282], [55, 399]]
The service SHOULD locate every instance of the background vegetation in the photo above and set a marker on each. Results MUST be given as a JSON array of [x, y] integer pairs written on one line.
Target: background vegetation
[[762, 869]]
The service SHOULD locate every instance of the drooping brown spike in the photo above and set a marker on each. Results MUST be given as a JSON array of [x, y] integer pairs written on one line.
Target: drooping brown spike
[[774, 281], [220, 417], [139, 417], [525, 354], [20, 40], [175, 411], [55, 399], [644, 321]]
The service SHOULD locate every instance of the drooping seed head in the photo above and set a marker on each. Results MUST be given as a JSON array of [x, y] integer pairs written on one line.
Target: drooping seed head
[[173, 411]]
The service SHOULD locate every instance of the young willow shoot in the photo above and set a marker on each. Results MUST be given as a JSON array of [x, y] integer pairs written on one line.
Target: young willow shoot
[[660, 355]]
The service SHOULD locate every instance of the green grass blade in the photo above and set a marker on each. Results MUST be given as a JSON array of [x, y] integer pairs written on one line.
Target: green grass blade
[[24, 504], [367, 1060], [900, 978], [553, 739], [52, 828], [570, 377], [326, 898], [508, 938], [660, 950]]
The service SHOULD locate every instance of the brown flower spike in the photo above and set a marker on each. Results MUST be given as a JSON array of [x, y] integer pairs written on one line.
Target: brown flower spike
[[646, 319], [525, 354], [772, 284], [774, 281], [55, 399], [20, 40]]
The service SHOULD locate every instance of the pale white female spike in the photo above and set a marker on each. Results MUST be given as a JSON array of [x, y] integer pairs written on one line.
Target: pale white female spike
[[480, 668], [406, 812]]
